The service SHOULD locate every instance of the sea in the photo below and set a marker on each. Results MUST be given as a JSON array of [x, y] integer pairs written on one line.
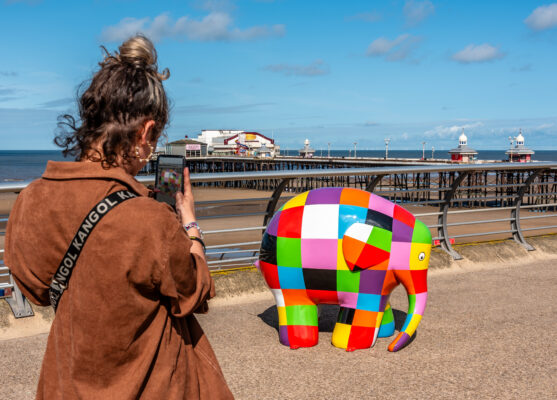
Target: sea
[[23, 165]]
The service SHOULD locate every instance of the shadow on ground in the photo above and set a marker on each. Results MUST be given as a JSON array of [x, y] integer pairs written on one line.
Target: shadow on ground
[[328, 318]]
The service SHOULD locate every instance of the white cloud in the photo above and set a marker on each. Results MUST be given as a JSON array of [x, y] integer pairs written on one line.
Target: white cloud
[[398, 49], [318, 67], [480, 53], [449, 132], [416, 11], [216, 26], [383, 45], [543, 17]]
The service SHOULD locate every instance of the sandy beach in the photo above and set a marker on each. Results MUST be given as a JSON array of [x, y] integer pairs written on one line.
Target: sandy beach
[[212, 202]]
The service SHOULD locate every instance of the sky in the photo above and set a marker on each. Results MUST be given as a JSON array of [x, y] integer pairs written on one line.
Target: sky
[[330, 71]]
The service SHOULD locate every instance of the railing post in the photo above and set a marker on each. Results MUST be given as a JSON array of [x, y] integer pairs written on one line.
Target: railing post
[[515, 213], [18, 303], [442, 229], [274, 200], [374, 182]]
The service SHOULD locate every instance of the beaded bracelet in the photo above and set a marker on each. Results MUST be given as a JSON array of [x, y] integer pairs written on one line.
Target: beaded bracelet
[[199, 240], [195, 225]]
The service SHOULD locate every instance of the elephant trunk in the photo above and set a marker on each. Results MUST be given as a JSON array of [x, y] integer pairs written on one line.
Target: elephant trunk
[[415, 283]]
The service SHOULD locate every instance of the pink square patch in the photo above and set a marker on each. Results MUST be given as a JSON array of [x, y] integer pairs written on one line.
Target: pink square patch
[[400, 255], [319, 253], [382, 205], [348, 299]]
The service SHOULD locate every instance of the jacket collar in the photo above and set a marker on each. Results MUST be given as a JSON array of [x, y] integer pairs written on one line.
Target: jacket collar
[[69, 170]]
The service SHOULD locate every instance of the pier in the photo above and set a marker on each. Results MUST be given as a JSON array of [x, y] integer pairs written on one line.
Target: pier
[[485, 187]]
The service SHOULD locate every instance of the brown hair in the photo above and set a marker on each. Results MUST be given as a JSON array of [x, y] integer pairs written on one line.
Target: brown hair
[[126, 92]]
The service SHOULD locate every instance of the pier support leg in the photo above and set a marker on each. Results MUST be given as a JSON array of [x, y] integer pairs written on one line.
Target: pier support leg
[[515, 213], [274, 200], [442, 229], [374, 182]]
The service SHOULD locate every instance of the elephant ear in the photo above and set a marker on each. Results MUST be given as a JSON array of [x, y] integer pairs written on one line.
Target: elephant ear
[[365, 246]]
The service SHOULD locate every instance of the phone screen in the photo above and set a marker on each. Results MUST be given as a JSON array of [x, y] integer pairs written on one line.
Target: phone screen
[[169, 178]]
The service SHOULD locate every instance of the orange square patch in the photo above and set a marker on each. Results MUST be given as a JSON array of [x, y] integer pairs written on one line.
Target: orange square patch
[[354, 197]]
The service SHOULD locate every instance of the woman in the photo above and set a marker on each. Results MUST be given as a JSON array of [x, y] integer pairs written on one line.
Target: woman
[[124, 328]]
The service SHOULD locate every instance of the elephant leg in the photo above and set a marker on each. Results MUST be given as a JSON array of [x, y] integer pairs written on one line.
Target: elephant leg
[[387, 328], [356, 329], [297, 319]]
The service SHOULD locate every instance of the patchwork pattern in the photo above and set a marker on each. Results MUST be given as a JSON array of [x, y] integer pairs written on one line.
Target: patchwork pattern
[[349, 247], [170, 180]]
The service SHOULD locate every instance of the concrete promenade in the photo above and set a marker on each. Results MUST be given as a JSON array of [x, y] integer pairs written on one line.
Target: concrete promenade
[[488, 332]]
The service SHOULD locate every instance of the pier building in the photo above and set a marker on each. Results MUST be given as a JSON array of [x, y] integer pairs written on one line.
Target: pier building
[[519, 152], [237, 142], [307, 151], [463, 153], [187, 148]]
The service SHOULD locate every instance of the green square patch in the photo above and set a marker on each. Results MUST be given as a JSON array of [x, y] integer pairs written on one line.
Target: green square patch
[[421, 233], [380, 238], [301, 315], [289, 252], [348, 281], [411, 303]]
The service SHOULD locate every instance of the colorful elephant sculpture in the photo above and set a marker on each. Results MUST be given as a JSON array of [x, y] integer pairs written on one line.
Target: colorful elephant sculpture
[[348, 247]]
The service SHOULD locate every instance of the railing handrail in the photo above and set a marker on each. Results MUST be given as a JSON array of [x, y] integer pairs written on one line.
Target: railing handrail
[[330, 172], [228, 255]]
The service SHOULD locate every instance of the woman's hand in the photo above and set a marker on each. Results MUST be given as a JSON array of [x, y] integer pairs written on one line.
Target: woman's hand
[[184, 201], [186, 212]]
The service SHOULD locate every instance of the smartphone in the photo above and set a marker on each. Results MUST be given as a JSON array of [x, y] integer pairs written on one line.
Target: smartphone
[[169, 178]]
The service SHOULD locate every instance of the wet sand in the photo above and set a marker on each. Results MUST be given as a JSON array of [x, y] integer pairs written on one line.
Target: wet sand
[[255, 202]]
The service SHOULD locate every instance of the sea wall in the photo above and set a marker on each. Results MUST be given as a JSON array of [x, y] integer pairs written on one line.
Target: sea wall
[[231, 284]]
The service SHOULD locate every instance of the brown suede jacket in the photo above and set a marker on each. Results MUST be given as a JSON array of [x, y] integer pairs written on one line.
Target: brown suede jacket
[[124, 328]]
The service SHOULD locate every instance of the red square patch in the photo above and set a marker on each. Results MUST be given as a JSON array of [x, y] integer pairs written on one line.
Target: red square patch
[[361, 337], [404, 216], [290, 222], [302, 335], [419, 278], [323, 296], [270, 274], [372, 256]]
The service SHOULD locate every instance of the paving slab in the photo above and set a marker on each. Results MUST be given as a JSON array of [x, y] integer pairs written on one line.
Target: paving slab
[[487, 333]]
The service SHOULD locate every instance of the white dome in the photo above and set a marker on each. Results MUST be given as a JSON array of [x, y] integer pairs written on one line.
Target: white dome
[[520, 139], [306, 142], [463, 139]]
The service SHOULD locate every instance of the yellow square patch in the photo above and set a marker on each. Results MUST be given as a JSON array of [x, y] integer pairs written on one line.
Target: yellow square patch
[[299, 200], [341, 333], [341, 262], [282, 315], [414, 322], [416, 251], [378, 320]]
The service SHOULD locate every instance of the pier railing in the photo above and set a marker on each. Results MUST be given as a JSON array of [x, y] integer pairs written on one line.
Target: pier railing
[[459, 203]]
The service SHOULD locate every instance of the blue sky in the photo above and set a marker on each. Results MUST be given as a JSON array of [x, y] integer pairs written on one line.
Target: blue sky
[[329, 71]]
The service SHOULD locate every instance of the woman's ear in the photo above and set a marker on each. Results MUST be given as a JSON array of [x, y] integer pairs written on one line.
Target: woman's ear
[[145, 132]]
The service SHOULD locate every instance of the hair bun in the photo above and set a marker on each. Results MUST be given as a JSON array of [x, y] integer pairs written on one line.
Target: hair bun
[[138, 51]]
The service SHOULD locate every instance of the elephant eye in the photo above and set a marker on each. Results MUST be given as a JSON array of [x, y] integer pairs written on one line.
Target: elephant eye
[[422, 256]]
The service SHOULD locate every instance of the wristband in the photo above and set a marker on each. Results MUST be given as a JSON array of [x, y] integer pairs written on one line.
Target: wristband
[[195, 225], [199, 240]]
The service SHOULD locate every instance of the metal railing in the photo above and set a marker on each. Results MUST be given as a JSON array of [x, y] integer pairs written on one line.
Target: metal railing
[[451, 199]]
